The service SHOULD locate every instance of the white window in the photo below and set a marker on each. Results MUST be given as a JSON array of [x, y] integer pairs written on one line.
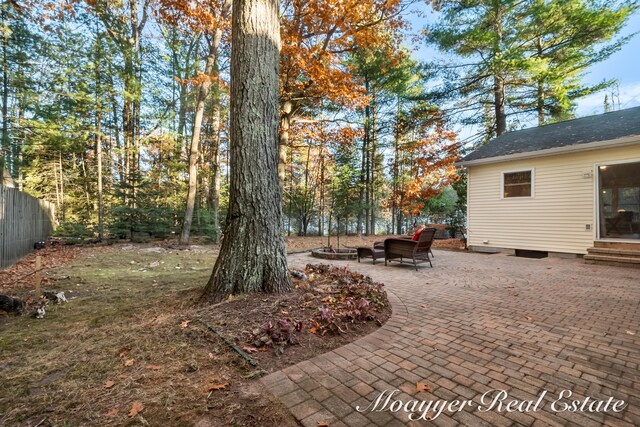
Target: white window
[[517, 184]]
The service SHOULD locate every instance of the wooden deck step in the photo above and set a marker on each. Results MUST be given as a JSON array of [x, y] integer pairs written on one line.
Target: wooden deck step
[[618, 261], [618, 245], [614, 251]]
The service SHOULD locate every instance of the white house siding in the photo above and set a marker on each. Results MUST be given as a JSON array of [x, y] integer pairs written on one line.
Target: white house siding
[[555, 218]]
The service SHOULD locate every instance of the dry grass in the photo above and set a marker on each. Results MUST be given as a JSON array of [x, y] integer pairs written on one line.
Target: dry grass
[[56, 368]]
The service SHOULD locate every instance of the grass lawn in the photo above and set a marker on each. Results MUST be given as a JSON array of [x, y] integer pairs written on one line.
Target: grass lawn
[[132, 336], [119, 341]]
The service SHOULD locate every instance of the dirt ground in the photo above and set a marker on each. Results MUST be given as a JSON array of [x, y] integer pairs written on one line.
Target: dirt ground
[[133, 347]]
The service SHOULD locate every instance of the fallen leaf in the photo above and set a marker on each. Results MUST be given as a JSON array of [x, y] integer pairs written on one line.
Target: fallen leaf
[[231, 298], [135, 409], [124, 351], [129, 362], [423, 387], [155, 367], [423, 305], [111, 412], [218, 386], [109, 384], [250, 349], [322, 424], [184, 323], [313, 330]]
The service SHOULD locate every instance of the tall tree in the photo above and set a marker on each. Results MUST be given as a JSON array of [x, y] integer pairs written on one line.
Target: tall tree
[[523, 56], [388, 73], [563, 38], [317, 37], [479, 31], [210, 20], [425, 159], [253, 255], [124, 23]]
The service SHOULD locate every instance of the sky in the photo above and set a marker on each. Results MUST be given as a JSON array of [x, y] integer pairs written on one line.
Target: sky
[[624, 66]]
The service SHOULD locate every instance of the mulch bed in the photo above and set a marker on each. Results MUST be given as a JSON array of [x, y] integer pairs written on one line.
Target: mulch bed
[[330, 308]]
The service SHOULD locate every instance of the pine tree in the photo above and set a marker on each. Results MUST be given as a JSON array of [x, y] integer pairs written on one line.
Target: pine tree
[[563, 38], [482, 34]]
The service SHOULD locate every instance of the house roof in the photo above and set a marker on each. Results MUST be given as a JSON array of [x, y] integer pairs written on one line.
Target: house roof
[[567, 134]]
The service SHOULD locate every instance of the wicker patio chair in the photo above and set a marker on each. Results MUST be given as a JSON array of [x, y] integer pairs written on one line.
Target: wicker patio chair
[[414, 250]]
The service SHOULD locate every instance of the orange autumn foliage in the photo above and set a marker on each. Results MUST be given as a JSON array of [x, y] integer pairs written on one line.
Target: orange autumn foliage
[[430, 159], [319, 133], [316, 37], [205, 17], [195, 16]]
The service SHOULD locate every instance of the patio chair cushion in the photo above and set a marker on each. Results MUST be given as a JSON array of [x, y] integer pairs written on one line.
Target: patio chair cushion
[[416, 236]]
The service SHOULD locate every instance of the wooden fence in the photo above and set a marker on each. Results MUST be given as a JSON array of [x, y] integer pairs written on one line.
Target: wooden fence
[[24, 220]]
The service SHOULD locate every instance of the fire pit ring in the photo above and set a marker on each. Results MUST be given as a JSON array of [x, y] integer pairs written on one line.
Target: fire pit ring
[[337, 254]]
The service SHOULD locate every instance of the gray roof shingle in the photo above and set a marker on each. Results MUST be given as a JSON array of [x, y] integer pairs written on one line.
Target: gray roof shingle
[[603, 127]]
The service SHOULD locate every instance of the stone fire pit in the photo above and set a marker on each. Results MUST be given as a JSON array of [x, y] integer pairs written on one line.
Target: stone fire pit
[[338, 254]]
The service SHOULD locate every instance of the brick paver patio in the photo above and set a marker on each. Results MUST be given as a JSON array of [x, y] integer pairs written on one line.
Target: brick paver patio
[[480, 322]]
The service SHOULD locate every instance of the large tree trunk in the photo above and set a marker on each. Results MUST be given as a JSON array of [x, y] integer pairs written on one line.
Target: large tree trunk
[[253, 256]]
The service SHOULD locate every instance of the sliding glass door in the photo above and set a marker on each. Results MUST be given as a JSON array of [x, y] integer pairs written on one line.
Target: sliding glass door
[[619, 201]]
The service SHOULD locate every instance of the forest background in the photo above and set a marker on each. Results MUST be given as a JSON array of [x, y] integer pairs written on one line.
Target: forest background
[[117, 111]]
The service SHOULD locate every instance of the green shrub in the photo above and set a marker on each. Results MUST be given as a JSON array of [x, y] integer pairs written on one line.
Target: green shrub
[[72, 229], [130, 223]]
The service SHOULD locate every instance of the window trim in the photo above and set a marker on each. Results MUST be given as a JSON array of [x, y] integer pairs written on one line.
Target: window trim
[[533, 180]]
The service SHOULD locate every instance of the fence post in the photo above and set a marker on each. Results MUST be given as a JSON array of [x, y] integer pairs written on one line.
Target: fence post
[[38, 276]]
